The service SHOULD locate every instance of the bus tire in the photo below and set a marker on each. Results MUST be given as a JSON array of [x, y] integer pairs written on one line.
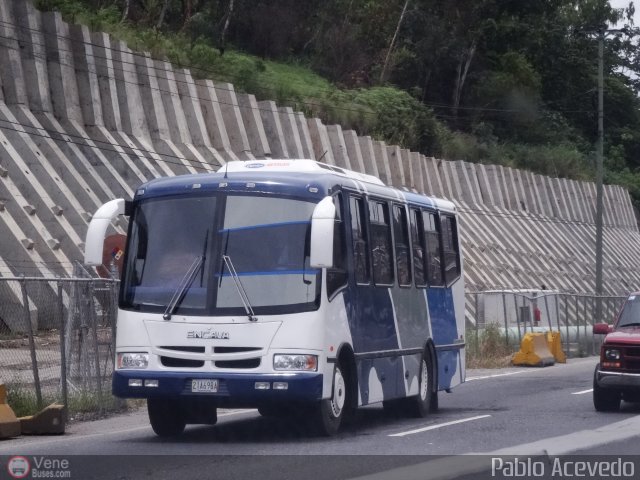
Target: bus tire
[[427, 399], [330, 412], [166, 416]]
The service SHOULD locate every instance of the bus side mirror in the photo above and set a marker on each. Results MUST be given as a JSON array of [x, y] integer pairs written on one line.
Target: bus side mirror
[[100, 221], [322, 225]]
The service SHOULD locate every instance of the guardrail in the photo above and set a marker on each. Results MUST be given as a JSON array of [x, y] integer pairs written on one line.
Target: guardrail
[[518, 311]]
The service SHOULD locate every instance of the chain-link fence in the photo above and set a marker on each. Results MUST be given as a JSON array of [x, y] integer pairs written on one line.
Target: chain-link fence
[[57, 341], [516, 312]]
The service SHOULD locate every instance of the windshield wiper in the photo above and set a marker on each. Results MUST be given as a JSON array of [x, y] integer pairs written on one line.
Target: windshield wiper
[[239, 288], [178, 295]]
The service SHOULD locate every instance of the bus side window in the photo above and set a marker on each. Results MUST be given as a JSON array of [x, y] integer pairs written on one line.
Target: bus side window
[[359, 239], [337, 276], [381, 248], [401, 243], [450, 247], [432, 236], [417, 241]]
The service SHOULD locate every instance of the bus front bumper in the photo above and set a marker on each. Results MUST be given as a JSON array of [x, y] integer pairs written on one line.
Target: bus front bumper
[[230, 388]]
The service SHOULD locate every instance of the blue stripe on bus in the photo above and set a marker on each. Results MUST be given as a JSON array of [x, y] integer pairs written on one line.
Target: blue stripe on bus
[[264, 225]]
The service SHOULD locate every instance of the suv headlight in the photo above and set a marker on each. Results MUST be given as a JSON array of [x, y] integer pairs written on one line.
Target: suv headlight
[[132, 360], [612, 354], [307, 363]]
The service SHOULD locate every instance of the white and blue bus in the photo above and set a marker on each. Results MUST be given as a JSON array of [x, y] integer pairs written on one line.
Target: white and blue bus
[[289, 286]]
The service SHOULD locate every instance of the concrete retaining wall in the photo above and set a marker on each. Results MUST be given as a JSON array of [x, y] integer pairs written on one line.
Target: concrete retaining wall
[[83, 119]]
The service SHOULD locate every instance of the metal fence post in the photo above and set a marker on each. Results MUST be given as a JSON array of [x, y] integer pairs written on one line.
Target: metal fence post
[[477, 326], [94, 327], [506, 327], [515, 306], [32, 343], [63, 352]]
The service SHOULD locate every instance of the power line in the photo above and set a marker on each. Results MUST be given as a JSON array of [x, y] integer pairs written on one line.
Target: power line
[[121, 150]]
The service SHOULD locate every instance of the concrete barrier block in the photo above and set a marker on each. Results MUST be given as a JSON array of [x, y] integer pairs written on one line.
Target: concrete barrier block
[[368, 156], [9, 423], [305, 135], [396, 167], [292, 138], [49, 421], [338, 146], [250, 112], [554, 342], [320, 140], [534, 351], [273, 129], [232, 117]]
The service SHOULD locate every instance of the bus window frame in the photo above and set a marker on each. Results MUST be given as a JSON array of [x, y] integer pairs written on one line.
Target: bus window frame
[[421, 241], [351, 258], [385, 202], [341, 230], [407, 232], [456, 247]]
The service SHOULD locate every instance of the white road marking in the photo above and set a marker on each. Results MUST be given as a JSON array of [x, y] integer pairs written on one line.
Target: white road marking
[[440, 425], [583, 392], [471, 379]]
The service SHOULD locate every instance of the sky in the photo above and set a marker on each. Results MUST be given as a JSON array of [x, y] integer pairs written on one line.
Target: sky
[[625, 4]]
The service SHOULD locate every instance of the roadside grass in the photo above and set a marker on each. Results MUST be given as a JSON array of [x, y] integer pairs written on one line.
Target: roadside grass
[[82, 405], [489, 349]]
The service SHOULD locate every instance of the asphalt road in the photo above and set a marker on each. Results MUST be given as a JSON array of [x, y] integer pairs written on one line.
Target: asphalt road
[[514, 411]]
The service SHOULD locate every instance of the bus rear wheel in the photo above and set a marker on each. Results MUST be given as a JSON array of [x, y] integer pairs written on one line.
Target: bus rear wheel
[[330, 412], [427, 399], [166, 416]]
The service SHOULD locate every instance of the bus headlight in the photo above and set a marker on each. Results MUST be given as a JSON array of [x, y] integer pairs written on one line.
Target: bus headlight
[[132, 360], [307, 363]]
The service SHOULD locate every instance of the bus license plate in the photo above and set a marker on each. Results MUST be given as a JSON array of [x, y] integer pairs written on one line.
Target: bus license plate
[[204, 386]]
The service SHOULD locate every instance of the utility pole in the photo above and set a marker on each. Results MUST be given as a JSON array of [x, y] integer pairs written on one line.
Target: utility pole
[[602, 32], [600, 174]]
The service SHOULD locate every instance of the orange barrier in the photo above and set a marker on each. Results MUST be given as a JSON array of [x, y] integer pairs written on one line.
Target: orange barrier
[[49, 421], [534, 352], [9, 424], [554, 342]]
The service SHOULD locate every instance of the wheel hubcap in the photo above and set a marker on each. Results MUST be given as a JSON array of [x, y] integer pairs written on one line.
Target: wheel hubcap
[[424, 380], [339, 393]]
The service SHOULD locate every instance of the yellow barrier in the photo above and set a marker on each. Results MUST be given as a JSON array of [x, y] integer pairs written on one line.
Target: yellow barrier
[[9, 424], [534, 351], [50, 421], [554, 342]]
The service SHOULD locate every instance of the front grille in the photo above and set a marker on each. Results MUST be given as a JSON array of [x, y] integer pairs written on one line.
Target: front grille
[[234, 349], [184, 349], [181, 362], [632, 352], [249, 363]]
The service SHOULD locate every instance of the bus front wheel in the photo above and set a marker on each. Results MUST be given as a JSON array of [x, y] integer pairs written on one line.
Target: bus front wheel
[[166, 416], [330, 412]]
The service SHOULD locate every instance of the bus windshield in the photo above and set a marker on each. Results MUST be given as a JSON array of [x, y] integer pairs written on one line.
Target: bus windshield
[[265, 237]]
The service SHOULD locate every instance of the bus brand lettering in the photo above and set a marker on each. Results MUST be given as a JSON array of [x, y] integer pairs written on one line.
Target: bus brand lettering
[[255, 165], [208, 334]]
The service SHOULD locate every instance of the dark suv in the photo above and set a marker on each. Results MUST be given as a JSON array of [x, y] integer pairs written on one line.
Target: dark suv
[[617, 376]]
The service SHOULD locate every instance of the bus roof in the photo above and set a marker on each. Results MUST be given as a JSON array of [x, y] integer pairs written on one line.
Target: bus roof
[[294, 173]]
